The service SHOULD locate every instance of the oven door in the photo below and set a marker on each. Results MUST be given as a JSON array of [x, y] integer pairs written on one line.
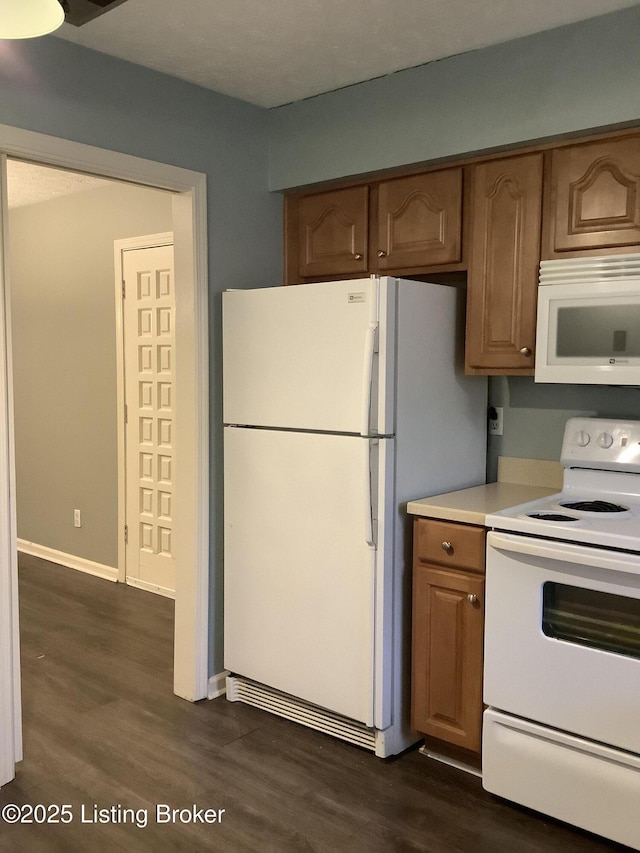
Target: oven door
[[562, 636]]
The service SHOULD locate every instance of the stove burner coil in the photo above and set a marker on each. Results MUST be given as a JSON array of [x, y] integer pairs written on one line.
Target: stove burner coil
[[552, 516], [594, 506]]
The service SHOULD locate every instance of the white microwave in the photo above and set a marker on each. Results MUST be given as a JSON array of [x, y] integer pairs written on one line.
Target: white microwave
[[588, 328]]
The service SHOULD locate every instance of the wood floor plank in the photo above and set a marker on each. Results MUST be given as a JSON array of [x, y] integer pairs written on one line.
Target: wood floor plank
[[102, 728]]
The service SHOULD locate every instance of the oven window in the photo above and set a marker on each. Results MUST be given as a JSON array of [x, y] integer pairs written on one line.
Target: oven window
[[599, 620], [605, 331]]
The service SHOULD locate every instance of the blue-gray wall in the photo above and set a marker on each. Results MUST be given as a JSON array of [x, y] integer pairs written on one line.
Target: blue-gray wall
[[573, 78], [52, 86], [577, 78], [535, 414]]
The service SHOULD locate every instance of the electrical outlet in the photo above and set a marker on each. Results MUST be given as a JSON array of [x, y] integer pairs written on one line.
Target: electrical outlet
[[77, 520], [495, 423]]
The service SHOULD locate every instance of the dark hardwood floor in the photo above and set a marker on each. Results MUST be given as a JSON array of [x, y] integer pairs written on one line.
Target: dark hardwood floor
[[102, 728]]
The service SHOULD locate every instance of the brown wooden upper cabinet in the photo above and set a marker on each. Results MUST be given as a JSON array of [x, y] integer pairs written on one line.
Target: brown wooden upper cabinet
[[402, 225], [333, 230], [594, 198], [504, 255], [415, 225], [419, 221]]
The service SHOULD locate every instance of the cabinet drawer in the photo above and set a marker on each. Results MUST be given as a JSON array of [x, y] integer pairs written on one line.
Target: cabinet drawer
[[449, 544]]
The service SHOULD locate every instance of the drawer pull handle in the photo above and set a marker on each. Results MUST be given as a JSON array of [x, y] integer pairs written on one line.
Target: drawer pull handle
[[357, 256], [382, 254], [448, 547], [472, 599]]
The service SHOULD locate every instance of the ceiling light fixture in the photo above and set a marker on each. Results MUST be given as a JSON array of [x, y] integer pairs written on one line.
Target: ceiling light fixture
[[24, 19]]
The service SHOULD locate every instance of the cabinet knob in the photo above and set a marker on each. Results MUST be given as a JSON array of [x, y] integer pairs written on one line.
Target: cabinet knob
[[357, 256], [382, 254], [448, 547], [472, 599], [525, 351]]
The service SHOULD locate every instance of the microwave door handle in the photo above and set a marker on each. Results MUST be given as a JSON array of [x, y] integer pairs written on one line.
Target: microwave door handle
[[565, 552]]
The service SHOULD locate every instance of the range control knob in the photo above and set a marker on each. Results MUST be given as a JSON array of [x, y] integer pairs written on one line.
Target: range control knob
[[605, 440], [582, 438]]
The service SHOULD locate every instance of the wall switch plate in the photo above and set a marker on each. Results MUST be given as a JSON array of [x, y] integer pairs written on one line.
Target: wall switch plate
[[77, 520], [495, 420]]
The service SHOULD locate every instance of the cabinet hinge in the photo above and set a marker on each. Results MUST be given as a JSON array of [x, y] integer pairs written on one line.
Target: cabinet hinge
[[126, 414], [126, 534], [124, 287]]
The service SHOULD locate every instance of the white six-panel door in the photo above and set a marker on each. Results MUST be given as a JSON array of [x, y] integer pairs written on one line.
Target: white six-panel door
[[149, 362]]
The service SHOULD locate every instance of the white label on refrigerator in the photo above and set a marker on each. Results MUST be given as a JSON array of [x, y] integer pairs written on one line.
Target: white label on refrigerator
[[356, 297]]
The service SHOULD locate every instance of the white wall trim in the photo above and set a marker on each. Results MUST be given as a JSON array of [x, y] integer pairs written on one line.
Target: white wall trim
[[152, 587], [80, 564], [66, 154], [191, 656], [191, 678], [217, 685]]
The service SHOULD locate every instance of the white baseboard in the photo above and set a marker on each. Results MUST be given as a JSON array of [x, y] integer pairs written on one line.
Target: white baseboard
[[108, 573], [151, 587], [217, 685]]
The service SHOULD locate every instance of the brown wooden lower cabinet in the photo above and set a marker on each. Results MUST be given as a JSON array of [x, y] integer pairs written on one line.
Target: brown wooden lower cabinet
[[447, 634]]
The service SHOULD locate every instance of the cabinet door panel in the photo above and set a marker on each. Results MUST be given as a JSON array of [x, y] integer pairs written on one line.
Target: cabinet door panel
[[448, 618], [596, 188], [333, 233], [503, 267], [420, 220]]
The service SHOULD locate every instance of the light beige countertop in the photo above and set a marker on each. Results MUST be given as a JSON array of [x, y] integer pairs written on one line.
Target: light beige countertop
[[472, 505]]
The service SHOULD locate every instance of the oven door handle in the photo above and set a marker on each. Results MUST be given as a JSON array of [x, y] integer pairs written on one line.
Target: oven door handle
[[599, 558]]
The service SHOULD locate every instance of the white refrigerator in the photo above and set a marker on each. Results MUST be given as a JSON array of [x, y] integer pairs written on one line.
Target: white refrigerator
[[341, 401]]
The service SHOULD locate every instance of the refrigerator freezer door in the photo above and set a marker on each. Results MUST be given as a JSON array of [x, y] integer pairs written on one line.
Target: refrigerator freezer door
[[303, 357], [300, 597]]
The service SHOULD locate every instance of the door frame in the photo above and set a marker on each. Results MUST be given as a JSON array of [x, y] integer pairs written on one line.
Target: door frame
[[147, 241], [189, 214], [10, 691]]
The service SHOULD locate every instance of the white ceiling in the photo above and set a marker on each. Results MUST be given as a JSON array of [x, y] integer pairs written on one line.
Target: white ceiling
[[28, 183], [273, 52]]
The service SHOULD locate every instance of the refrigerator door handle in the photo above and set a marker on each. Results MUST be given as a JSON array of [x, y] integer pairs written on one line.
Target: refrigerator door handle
[[367, 377], [368, 505]]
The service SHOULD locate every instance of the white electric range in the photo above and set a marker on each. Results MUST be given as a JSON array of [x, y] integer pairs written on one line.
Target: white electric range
[[562, 639]]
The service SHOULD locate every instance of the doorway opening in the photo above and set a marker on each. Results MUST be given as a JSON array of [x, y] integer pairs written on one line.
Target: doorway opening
[[188, 220], [67, 339]]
